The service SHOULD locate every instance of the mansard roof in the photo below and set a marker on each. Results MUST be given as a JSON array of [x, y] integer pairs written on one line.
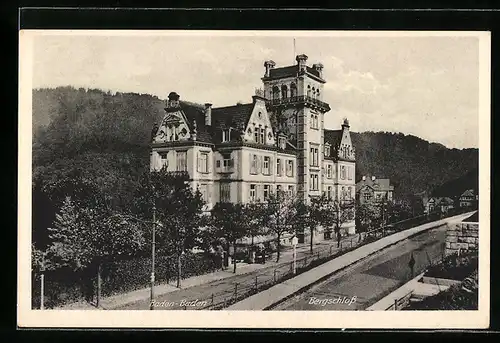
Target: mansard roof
[[236, 116], [290, 71], [333, 137]]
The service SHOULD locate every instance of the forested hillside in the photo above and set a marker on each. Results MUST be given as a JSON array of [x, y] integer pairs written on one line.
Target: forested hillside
[[104, 137], [413, 164]]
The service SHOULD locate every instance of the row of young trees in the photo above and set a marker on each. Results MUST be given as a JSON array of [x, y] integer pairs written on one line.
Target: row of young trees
[[88, 231]]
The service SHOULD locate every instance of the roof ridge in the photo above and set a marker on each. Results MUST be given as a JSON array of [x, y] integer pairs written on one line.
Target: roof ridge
[[245, 104]]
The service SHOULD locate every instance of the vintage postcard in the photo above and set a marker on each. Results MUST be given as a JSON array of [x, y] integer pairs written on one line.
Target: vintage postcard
[[254, 179]]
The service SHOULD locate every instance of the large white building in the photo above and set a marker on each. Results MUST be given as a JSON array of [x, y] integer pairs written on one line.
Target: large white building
[[244, 152]]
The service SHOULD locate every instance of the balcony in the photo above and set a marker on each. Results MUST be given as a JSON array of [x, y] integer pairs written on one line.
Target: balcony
[[302, 99], [225, 166]]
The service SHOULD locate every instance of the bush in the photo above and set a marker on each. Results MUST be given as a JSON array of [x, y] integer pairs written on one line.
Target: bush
[[455, 267], [65, 286], [133, 274], [454, 298]]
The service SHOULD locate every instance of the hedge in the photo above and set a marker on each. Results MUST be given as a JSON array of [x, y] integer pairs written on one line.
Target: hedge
[[63, 286]]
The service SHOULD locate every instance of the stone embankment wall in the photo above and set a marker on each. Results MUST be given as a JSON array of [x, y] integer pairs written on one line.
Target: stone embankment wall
[[461, 236]]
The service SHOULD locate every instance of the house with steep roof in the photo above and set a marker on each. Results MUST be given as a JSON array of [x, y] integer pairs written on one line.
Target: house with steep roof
[[374, 190], [468, 198], [278, 141], [442, 204]]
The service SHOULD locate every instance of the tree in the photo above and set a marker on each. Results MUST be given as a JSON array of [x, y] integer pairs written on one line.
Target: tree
[[280, 215], [86, 237], [319, 213], [229, 223], [367, 214], [178, 208], [41, 262], [252, 212], [342, 212]]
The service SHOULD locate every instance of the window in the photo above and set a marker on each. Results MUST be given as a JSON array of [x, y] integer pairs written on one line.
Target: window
[[342, 172], [217, 164], [329, 171], [290, 190], [278, 189], [253, 165], [262, 136], [276, 93], [327, 150], [367, 196], [313, 184], [343, 193], [278, 166], [226, 137], [181, 161], [309, 91], [256, 135], [314, 156], [265, 169], [293, 90], [289, 168], [266, 192], [314, 121], [164, 159], [253, 193], [203, 162], [349, 173], [284, 91], [282, 143], [172, 133], [225, 192], [329, 192], [227, 163]]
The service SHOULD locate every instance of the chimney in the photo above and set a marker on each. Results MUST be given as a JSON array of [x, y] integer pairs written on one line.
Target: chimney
[[345, 124], [208, 114], [269, 65], [319, 68], [301, 61], [172, 102], [364, 178], [373, 178]]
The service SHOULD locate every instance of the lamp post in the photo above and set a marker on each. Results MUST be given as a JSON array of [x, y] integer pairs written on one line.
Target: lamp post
[[295, 241], [153, 243]]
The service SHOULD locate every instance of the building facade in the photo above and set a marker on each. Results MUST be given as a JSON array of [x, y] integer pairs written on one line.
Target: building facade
[[278, 141], [373, 190]]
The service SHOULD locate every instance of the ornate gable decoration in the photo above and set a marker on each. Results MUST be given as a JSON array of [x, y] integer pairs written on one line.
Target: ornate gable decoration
[[173, 128]]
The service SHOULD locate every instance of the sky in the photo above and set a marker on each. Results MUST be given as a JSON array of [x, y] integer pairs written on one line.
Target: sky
[[424, 86]]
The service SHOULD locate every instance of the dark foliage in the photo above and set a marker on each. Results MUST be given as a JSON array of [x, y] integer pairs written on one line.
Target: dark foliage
[[412, 164]]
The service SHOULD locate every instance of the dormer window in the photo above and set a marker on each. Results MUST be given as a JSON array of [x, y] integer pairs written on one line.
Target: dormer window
[[282, 143], [327, 150], [226, 136]]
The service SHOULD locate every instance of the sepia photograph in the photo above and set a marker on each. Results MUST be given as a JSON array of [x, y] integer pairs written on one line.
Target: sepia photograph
[[324, 174]]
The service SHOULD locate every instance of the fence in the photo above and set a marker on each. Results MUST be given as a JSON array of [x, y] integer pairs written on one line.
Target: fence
[[253, 284], [126, 276], [404, 301]]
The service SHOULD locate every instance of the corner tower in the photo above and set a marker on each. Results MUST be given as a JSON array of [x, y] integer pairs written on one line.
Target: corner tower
[[295, 101]]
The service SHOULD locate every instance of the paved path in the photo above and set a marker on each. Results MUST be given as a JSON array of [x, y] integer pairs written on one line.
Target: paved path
[[220, 284], [283, 290]]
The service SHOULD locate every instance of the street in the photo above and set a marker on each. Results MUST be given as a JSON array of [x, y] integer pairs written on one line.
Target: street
[[201, 295], [363, 284]]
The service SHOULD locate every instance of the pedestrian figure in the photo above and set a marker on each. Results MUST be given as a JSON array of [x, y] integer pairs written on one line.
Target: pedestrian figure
[[338, 238], [411, 264]]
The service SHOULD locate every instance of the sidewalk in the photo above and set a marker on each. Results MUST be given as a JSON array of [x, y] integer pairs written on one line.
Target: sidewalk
[[275, 294], [286, 256]]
